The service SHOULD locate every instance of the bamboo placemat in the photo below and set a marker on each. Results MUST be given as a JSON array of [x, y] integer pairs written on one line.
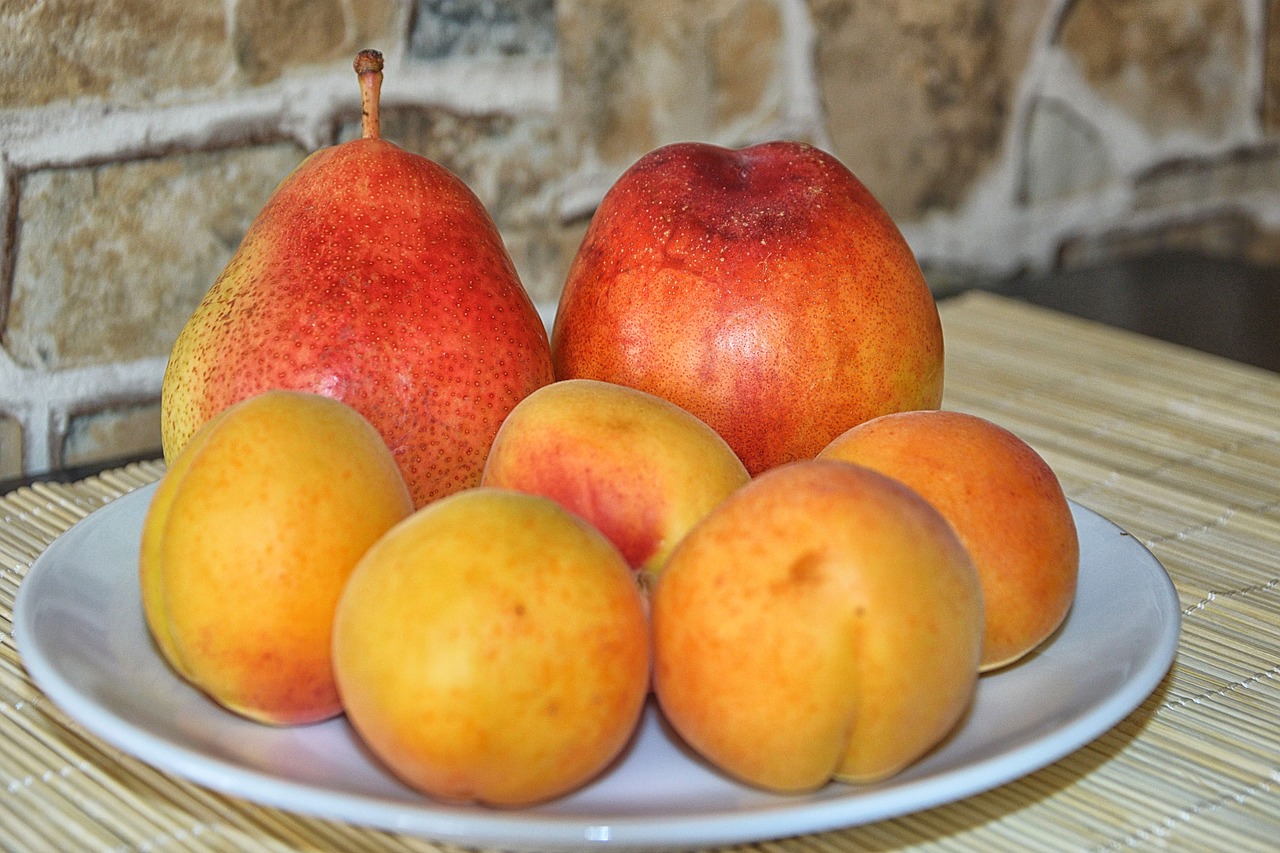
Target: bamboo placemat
[[1179, 448]]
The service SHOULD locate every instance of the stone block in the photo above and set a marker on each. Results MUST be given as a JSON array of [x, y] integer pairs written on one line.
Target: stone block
[[111, 260], [443, 29], [1220, 180], [542, 252], [1174, 66], [1271, 70], [111, 434], [270, 36], [117, 50], [918, 94], [637, 76], [1224, 233]]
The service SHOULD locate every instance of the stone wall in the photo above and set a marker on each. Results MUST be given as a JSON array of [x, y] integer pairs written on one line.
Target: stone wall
[[138, 138]]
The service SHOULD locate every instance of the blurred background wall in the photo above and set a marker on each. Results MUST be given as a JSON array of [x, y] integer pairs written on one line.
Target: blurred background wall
[[138, 139]]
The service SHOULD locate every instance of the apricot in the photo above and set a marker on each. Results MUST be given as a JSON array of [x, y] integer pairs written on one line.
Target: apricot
[[1003, 500], [494, 648], [823, 622], [640, 469], [249, 540]]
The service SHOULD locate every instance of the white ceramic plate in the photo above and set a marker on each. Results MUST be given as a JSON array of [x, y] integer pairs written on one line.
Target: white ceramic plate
[[80, 631]]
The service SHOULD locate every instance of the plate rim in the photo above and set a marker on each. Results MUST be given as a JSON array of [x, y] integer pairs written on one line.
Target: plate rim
[[523, 830]]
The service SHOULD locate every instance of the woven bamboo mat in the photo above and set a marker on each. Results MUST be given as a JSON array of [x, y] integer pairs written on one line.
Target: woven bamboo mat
[[1179, 448]]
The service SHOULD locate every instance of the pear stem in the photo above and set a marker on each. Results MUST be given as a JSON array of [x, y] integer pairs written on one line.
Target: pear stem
[[368, 66]]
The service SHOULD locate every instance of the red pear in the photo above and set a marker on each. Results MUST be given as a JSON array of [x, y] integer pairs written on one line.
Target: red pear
[[374, 276], [763, 289]]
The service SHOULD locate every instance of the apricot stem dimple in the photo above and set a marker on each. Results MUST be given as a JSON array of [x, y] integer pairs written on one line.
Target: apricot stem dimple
[[368, 67]]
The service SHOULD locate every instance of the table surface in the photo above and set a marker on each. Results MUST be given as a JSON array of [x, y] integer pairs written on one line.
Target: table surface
[[1179, 447]]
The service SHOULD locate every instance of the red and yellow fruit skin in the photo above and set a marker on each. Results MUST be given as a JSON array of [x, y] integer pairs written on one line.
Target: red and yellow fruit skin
[[763, 289], [637, 467], [376, 277], [248, 543], [823, 622], [1005, 503], [493, 648]]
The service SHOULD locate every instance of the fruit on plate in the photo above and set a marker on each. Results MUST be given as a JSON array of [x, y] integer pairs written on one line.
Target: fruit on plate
[[1005, 503], [493, 648], [249, 540], [639, 468], [376, 277], [823, 622], [763, 289]]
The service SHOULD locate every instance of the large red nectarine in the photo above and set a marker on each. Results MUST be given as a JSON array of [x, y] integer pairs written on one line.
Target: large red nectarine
[[764, 289]]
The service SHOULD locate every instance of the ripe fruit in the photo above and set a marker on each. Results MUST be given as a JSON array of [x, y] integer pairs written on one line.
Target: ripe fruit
[[823, 622], [376, 277], [640, 469], [764, 290], [1005, 503], [493, 647], [249, 540]]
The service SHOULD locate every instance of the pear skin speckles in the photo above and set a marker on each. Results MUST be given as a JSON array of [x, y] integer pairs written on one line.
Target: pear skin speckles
[[376, 277]]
